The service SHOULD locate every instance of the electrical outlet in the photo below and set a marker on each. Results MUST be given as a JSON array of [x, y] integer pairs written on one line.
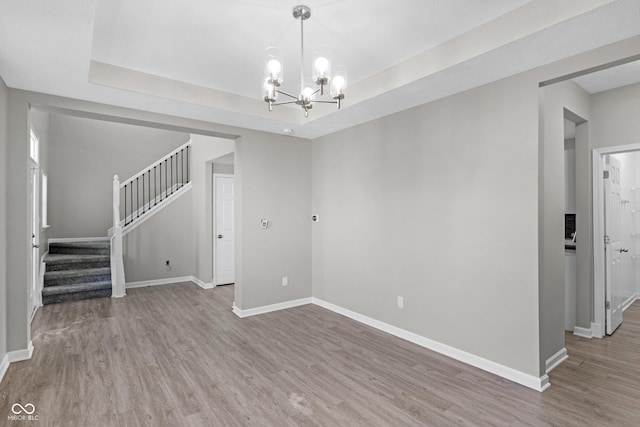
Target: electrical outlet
[[285, 281], [167, 265], [400, 302]]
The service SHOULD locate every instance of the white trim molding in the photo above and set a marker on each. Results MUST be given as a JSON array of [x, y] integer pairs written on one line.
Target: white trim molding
[[527, 380], [168, 281], [269, 308], [15, 356], [633, 298], [595, 331], [78, 239], [4, 365], [202, 284], [583, 332], [555, 360]]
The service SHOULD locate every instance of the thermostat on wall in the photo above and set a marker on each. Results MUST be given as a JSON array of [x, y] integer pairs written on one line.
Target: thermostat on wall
[[264, 223]]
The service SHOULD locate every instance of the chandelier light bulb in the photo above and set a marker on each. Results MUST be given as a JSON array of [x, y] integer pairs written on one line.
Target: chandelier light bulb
[[307, 92], [322, 66], [338, 83], [274, 66]]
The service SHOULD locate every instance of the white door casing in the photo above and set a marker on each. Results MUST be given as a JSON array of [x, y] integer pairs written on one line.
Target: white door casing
[[613, 249], [224, 247]]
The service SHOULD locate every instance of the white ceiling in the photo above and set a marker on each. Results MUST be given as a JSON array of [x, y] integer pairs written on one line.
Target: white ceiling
[[611, 78], [220, 44], [203, 59]]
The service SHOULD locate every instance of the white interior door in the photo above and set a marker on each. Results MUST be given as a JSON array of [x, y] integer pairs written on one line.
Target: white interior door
[[34, 196], [224, 270], [613, 249]]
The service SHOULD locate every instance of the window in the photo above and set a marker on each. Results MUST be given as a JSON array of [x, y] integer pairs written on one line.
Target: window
[[43, 191], [34, 147]]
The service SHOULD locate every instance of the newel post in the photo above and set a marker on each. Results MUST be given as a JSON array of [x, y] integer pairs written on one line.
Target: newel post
[[116, 201], [117, 261]]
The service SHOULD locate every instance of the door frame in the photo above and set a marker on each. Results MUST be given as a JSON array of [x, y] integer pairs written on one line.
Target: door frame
[[598, 164], [34, 239], [216, 175]]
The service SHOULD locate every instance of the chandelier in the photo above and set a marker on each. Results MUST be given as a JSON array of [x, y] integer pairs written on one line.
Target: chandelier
[[321, 74]]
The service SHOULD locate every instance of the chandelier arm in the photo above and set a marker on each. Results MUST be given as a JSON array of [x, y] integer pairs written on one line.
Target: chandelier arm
[[317, 90], [285, 102], [326, 102], [286, 94]]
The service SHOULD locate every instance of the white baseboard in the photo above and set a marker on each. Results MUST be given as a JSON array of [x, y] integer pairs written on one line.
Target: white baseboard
[[168, 281], [202, 284], [531, 381], [78, 239], [269, 308], [15, 356], [20, 355], [556, 359], [527, 380], [583, 332], [156, 282], [633, 298], [4, 365], [597, 330]]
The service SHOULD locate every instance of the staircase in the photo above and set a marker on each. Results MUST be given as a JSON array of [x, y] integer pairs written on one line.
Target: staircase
[[76, 271]]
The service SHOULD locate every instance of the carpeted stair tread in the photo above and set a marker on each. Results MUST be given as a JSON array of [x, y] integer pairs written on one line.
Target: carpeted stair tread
[[76, 296], [77, 287], [64, 277], [98, 247], [56, 262]]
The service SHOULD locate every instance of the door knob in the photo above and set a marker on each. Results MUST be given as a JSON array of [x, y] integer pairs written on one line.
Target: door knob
[[624, 250], [35, 246], [219, 236]]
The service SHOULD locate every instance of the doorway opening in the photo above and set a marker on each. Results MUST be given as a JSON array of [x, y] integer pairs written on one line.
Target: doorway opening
[[34, 202], [616, 225], [223, 220]]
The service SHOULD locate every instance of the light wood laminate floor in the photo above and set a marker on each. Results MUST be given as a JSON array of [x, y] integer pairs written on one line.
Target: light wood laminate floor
[[176, 355]]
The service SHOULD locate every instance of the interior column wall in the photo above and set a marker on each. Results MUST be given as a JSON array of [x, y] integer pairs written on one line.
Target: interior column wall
[[555, 100], [3, 219]]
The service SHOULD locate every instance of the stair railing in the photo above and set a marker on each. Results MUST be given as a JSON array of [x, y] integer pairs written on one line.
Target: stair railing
[[151, 186], [141, 194]]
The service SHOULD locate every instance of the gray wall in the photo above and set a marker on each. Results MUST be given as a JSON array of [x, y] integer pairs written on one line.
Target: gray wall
[[167, 235], [18, 229], [437, 204], [273, 181], [554, 100], [3, 222], [615, 117], [84, 155]]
